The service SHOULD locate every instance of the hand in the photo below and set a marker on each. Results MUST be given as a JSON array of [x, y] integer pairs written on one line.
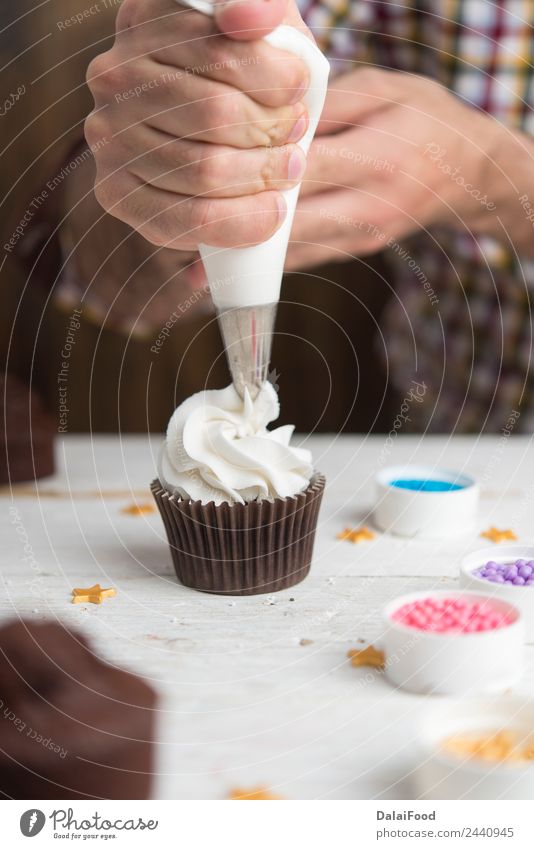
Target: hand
[[122, 282], [194, 126], [394, 153]]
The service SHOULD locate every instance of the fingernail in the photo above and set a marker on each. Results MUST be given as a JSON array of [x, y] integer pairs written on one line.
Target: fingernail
[[296, 165], [299, 128], [303, 87], [282, 208]]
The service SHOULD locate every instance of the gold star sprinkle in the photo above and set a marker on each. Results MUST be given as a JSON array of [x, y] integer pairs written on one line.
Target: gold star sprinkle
[[138, 509], [367, 657], [356, 534], [500, 746], [495, 535], [95, 594], [255, 795]]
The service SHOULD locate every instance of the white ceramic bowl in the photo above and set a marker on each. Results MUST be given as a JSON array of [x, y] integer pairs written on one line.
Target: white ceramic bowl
[[440, 775], [521, 597], [432, 515], [453, 664]]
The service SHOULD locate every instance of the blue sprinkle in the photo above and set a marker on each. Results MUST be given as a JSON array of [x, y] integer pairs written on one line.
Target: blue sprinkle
[[426, 485]]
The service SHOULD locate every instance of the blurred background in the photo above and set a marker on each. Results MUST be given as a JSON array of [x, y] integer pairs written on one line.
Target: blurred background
[[328, 365], [106, 329]]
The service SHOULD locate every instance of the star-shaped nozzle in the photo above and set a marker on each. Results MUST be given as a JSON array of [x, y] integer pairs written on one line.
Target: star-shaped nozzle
[[247, 334]]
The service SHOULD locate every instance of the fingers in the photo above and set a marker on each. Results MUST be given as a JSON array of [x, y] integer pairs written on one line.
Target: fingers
[[353, 158], [360, 220], [176, 221], [187, 106], [214, 112], [325, 169], [351, 97], [191, 42], [159, 108], [249, 20], [204, 170], [269, 76]]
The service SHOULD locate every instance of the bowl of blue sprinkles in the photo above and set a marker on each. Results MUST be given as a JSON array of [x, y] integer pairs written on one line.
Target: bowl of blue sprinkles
[[425, 501]]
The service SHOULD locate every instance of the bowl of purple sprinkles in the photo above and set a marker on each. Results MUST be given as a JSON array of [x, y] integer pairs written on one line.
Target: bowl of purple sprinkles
[[505, 572]]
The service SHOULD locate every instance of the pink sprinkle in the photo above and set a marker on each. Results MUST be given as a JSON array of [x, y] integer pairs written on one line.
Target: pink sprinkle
[[460, 615]]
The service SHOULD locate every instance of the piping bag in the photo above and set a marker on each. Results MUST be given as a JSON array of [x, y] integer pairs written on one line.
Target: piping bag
[[245, 282]]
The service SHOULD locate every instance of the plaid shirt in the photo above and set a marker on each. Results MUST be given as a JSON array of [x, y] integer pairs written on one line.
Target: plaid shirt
[[473, 349]]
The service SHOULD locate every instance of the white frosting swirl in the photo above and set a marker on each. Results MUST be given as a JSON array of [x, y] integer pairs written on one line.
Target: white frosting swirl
[[218, 449]]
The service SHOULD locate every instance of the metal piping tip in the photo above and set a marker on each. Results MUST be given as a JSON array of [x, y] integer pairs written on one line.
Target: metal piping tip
[[247, 334]]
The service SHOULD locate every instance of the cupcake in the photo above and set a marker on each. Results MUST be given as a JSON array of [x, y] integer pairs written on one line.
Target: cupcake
[[239, 502]]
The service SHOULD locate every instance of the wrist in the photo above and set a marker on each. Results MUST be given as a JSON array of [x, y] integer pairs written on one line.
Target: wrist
[[493, 199], [474, 185], [494, 178]]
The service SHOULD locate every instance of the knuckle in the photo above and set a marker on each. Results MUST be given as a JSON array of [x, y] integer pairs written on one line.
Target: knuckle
[[96, 69], [102, 194], [112, 191], [95, 130], [106, 74]]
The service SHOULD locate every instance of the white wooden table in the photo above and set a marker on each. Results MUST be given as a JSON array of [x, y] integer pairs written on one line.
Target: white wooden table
[[254, 691]]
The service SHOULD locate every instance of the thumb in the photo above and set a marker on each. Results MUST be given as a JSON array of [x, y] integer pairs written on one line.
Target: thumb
[[248, 20]]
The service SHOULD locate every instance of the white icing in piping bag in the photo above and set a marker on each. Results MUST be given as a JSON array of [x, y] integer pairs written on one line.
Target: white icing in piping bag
[[245, 282]]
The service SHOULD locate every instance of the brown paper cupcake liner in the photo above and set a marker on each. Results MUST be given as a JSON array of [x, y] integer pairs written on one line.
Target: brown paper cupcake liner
[[241, 549]]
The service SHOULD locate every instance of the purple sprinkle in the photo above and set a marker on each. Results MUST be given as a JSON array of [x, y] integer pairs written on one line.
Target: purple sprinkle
[[520, 573]]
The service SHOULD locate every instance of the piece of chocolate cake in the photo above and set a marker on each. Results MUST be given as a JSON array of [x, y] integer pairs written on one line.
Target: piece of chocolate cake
[[26, 433], [71, 726]]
